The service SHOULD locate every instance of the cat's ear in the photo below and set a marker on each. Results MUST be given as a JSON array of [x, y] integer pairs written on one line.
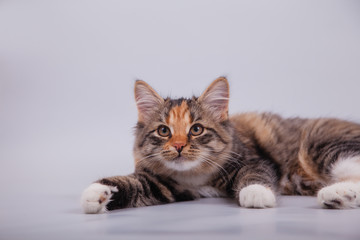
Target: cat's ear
[[147, 100], [215, 98]]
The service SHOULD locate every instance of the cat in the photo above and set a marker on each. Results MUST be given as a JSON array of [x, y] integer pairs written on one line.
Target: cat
[[190, 148]]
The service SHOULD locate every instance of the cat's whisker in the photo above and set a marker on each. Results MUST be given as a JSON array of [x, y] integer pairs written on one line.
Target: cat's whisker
[[214, 164], [150, 156], [234, 162], [147, 157], [210, 163], [222, 172], [230, 159], [235, 153]]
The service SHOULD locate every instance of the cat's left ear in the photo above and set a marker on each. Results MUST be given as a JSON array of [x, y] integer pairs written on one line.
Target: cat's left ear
[[216, 98], [147, 100]]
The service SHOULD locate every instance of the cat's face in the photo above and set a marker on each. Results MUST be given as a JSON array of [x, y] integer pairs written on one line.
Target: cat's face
[[181, 134]]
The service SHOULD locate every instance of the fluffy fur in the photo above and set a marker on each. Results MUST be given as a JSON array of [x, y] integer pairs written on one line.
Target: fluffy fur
[[190, 148]]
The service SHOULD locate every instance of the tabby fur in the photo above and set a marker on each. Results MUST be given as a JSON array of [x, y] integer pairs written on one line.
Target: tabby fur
[[262, 154]]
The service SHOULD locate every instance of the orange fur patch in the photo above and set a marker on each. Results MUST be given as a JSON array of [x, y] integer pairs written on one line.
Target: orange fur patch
[[253, 122], [179, 121], [308, 167]]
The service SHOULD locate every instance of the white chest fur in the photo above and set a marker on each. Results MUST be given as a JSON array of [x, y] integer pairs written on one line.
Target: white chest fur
[[199, 184]]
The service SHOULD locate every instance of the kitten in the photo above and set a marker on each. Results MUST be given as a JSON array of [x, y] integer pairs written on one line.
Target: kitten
[[190, 148]]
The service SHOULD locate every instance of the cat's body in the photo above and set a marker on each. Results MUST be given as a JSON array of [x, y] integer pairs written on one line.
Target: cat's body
[[190, 148]]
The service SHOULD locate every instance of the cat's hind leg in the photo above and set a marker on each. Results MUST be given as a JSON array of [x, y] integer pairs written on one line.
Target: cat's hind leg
[[345, 191]]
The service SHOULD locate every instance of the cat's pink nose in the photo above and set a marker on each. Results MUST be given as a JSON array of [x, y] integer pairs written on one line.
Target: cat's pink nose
[[179, 146]]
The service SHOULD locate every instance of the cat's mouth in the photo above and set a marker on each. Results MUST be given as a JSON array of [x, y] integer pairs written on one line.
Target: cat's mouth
[[180, 158]]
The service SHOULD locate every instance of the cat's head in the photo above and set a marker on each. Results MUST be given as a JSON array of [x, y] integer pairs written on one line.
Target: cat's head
[[182, 134]]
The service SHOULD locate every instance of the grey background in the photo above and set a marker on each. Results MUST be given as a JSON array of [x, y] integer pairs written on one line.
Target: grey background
[[67, 70]]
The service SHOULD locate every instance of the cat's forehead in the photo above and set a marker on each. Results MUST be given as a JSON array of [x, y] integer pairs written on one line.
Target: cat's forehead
[[179, 113]]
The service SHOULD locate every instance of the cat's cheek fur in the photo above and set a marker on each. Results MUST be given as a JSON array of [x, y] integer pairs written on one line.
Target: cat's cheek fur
[[95, 198], [257, 196], [340, 195]]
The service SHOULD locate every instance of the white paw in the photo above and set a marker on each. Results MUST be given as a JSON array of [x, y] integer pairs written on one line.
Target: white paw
[[95, 198], [256, 196], [340, 195]]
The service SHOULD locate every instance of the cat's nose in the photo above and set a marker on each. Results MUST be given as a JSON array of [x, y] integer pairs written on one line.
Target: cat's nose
[[179, 146]]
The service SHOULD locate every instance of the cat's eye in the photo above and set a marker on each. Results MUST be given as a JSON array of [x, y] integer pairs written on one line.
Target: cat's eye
[[196, 130], [163, 131]]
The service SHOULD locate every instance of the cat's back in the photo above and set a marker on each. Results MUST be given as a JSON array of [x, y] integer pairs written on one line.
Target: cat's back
[[281, 138], [267, 127], [278, 136]]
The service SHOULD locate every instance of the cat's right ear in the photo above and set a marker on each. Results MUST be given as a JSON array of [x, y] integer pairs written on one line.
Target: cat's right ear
[[147, 100], [215, 98]]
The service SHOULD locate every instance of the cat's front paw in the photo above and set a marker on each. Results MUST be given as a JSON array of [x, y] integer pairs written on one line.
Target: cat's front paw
[[95, 198], [340, 195], [257, 196]]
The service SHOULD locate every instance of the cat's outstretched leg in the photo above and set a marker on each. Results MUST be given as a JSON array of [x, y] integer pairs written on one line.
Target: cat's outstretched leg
[[135, 190], [345, 192], [95, 198]]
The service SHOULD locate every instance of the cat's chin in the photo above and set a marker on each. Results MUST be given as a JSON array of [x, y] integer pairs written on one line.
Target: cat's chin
[[180, 159], [181, 163]]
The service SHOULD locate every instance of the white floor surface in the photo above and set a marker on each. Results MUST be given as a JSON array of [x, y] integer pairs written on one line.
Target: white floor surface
[[60, 217]]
